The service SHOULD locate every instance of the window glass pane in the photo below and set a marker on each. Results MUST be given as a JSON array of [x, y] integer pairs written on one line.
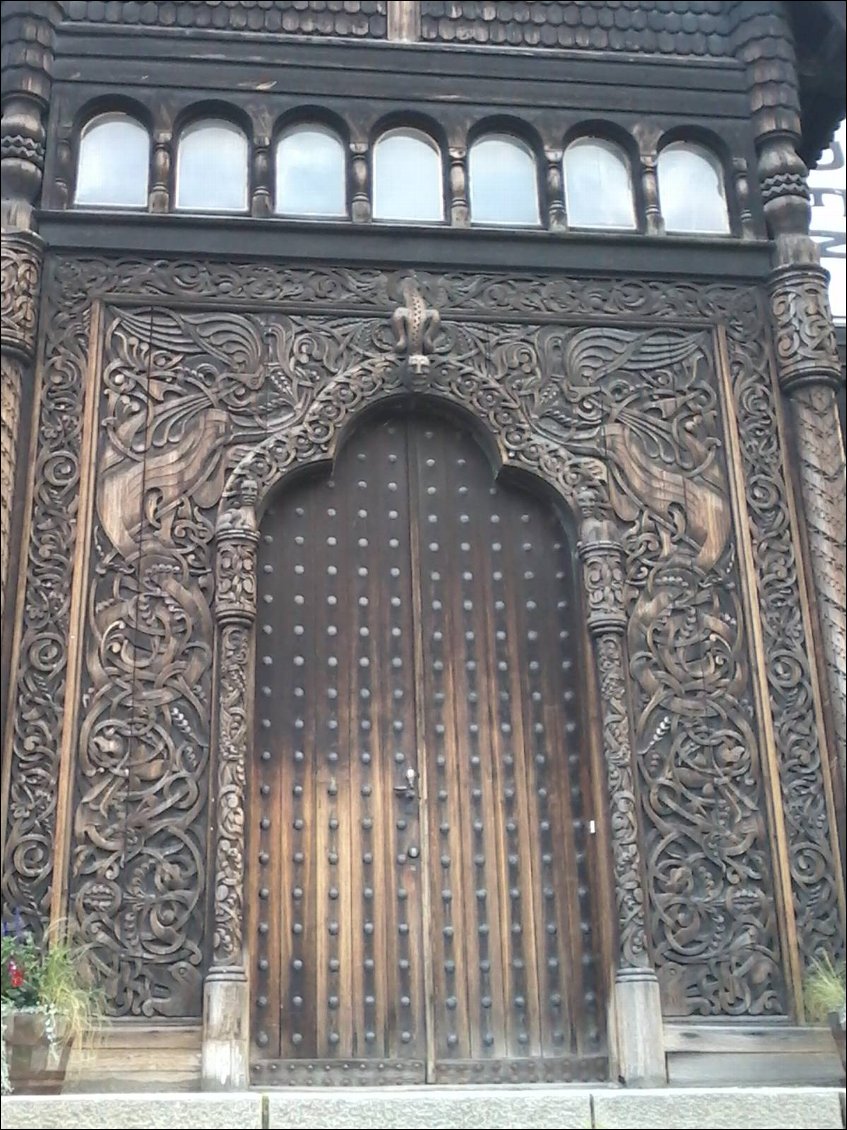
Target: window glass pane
[[407, 178], [310, 173], [114, 158], [691, 190], [598, 191], [212, 168], [503, 182]]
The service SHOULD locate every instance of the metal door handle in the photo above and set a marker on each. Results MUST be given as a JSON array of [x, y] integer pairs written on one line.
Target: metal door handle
[[409, 789]]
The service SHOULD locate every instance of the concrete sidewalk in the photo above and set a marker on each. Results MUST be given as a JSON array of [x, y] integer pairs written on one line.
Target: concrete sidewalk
[[486, 1108]]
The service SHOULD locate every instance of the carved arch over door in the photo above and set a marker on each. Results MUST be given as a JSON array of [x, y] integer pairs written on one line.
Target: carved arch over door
[[579, 481]]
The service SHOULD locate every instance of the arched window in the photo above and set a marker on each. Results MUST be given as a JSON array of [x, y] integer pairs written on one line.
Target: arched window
[[691, 192], [211, 171], [407, 183], [503, 181], [114, 163], [310, 173], [598, 189]]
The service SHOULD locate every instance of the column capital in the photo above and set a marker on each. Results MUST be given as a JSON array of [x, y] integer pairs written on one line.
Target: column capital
[[21, 255], [235, 565], [601, 554], [804, 335]]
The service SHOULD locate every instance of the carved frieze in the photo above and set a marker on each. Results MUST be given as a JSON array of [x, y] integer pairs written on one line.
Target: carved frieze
[[195, 395]]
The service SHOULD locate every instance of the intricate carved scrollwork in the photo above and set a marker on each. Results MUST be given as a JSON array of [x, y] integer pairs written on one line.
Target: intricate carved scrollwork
[[193, 396], [236, 644], [821, 468], [806, 350], [789, 670]]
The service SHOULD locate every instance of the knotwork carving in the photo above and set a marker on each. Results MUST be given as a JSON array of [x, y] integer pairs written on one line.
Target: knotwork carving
[[20, 280], [618, 409], [235, 608], [812, 859]]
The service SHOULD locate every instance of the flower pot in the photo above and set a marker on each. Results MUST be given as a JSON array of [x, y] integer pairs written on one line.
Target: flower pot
[[37, 1064]]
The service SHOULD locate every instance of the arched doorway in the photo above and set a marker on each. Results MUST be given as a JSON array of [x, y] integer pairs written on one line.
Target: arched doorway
[[420, 871]]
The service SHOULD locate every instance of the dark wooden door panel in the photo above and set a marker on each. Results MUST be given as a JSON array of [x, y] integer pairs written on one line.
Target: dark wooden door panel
[[339, 954], [511, 927], [419, 854]]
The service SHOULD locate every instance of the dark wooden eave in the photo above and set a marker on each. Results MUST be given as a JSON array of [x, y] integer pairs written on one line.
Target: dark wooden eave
[[819, 36]]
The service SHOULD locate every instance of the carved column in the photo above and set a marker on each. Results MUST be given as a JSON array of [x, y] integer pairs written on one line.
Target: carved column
[[360, 204], [21, 257], [28, 32], [226, 1002], [556, 218], [655, 225], [636, 1006], [459, 209], [809, 375]]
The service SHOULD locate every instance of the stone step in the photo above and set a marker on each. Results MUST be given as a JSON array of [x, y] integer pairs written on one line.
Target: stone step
[[486, 1108]]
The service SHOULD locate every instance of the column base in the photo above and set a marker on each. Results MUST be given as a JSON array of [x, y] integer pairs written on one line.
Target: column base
[[639, 1029], [226, 1027]]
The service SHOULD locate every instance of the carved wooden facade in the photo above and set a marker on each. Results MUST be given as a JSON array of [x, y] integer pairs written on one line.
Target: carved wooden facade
[[178, 400]]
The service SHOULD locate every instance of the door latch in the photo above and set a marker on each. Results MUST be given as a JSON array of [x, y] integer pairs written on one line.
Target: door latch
[[409, 790]]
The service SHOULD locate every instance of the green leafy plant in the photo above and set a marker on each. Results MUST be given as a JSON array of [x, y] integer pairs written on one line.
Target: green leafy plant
[[50, 976], [824, 989]]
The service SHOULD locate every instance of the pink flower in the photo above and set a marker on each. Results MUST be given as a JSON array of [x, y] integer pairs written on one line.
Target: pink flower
[[16, 975]]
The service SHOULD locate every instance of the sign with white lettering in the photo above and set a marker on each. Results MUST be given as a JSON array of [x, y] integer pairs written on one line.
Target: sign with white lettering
[[828, 187]]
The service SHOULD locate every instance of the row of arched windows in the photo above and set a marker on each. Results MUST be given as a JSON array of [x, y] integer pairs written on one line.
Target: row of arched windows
[[407, 176]]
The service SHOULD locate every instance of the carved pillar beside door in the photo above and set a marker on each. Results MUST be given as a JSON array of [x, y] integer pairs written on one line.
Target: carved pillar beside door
[[636, 1013], [806, 359], [225, 1003], [809, 376], [28, 32], [22, 254]]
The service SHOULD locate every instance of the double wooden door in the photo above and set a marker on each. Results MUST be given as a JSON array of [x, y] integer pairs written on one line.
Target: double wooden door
[[420, 867]]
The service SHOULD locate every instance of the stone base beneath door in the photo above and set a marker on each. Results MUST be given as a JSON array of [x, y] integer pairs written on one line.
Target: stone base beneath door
[[569, 1108]]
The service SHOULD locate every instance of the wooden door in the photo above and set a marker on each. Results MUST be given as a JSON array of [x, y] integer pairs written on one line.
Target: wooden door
[[419, 872]]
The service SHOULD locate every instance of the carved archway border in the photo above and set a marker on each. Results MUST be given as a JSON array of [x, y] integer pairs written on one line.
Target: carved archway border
[[580, 483]]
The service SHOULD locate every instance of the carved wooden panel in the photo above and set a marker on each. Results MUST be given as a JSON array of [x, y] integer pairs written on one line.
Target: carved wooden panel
[[558, 400], [415, 665]]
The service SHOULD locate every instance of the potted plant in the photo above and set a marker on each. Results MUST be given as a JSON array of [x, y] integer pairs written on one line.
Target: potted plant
[[47, 1004], [825, 996]]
